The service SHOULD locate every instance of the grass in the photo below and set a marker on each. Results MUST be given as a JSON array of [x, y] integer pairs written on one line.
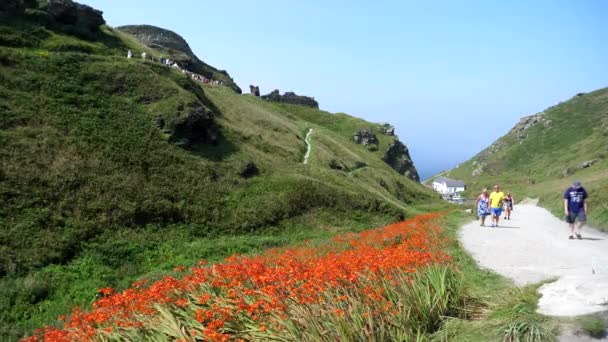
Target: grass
[[574, 131], [592, 325], [93, 194]]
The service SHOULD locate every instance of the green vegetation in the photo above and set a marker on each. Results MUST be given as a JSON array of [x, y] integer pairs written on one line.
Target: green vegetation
[[593, 325], [174, 47], [94, 194], [543, 160]]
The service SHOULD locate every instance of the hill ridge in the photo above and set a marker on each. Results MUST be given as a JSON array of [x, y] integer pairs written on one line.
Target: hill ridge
[[544, 152]]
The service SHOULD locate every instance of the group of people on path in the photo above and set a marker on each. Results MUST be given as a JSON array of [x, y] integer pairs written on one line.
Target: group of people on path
[[494, 204], [575, 207], [173, 64]]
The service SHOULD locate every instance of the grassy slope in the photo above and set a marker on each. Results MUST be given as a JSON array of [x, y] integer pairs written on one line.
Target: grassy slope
[[577, 132], [198, 66], [92, 194]]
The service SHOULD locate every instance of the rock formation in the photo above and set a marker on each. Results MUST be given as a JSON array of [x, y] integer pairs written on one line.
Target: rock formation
[[387, 129], [196, 127], [398, 157], [71, 13], [519, 130], [254, 90], [365, 137], [11, 8], [176, 48], [291, 98], [587, 163], [248, 170], [65, 15]]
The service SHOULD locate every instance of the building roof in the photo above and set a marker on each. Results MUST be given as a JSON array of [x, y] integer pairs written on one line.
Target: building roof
[[452, 183]]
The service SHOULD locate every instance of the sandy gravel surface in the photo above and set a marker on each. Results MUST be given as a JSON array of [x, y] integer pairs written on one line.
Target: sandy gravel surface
[[534, 246]]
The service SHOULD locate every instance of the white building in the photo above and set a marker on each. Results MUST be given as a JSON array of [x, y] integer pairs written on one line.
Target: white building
[[447, 186]]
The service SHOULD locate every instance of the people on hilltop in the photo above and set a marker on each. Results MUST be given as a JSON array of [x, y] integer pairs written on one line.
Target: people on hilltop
[[576, 208], [497, 198], [508, 206], [173, 64], [483, 206]]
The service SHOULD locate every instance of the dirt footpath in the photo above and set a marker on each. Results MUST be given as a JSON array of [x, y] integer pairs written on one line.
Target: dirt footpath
[[534, 246]]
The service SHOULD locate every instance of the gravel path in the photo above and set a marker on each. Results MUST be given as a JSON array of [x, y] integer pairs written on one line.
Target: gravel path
[[533, 246], [308, 146]]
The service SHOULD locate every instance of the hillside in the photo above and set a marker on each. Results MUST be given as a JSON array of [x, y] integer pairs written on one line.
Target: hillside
[[169, 44], [545, 152], [114, 168]]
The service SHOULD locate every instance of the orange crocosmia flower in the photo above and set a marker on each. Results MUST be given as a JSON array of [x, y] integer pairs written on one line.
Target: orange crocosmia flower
[[259, 288]]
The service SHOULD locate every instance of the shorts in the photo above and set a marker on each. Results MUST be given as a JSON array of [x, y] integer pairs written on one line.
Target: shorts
[[572, 217], [496, 211], [508, 205]]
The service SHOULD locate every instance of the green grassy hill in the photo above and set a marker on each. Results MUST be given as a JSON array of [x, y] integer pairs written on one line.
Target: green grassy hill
[[98, 187], [168, 44], [544, 153]]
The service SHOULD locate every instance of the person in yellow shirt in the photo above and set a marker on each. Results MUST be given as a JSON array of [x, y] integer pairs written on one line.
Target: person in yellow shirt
[[497, 197]]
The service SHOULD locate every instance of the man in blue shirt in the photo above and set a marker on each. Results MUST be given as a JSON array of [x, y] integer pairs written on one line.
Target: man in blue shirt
[[575, 208]]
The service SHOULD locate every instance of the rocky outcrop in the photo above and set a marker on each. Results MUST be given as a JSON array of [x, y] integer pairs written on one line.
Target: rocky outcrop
[[587, 163], [198, 126], [13, 8], [66, 15], [291, 98], [254, 90], [525, 123], [70, 13], [398, 157], [176, 48], [387, 129], [365, 137], [248, 170]]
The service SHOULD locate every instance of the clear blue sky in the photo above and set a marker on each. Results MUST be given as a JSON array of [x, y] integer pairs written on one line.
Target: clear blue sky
[[452, 76]]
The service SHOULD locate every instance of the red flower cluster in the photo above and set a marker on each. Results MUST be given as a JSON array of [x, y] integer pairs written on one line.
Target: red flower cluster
[[256, 289]]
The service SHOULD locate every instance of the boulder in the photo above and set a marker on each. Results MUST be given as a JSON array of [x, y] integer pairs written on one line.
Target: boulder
[[365, 137], [398, 157], [249, 169], [477, 171], [587, 163], [254, 90], [387, 129], [196, 127], [335, 165], [159, 122], [291, 98], [567, 172], [525, 123]]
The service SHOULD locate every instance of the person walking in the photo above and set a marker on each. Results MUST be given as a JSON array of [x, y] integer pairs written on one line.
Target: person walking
[[483, 206], [575, 208], [129, 54], [508, 206], [497, 197]]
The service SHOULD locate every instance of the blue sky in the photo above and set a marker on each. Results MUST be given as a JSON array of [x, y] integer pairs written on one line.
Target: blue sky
[[452, 76]]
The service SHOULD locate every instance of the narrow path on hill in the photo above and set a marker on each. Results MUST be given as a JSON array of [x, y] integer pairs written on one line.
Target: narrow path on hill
[[534, 246], [308, 146]]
